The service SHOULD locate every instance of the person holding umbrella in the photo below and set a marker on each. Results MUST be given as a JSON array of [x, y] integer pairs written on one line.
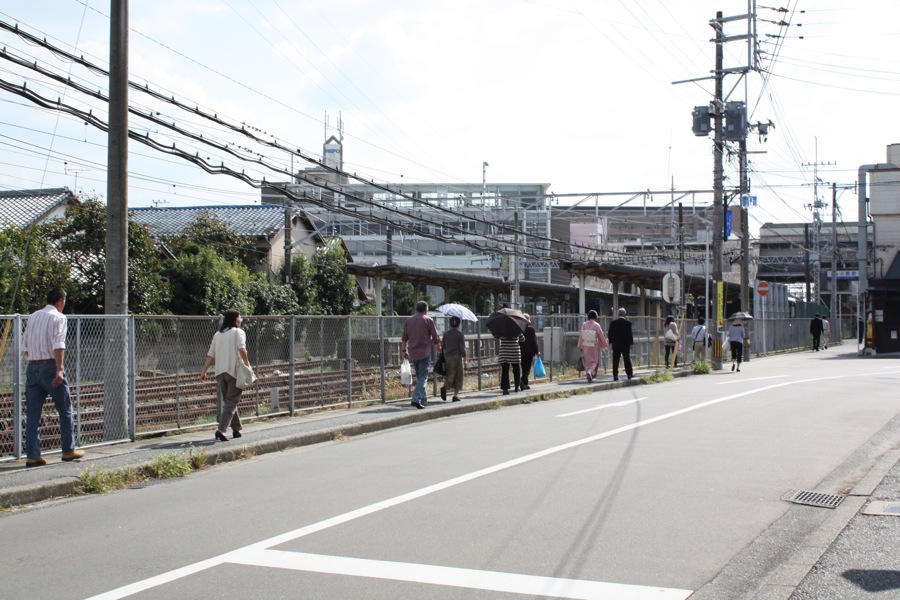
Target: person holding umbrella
[[530, 349], [508, 325], [736, 335], [454, 344], [590, 341]]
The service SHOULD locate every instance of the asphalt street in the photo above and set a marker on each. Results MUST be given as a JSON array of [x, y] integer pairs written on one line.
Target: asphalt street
[[673, 490]]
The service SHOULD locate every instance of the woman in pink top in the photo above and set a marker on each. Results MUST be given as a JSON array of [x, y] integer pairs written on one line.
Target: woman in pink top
[[591, 341]]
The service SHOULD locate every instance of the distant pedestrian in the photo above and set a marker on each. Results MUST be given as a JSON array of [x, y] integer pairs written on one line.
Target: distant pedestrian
[[698, 334], [45, 346], [419, 335], [670, 341], [815, 330], [454, 345], [509, 356], [736, 337], [826, 329], [621, 340], [228, 346], [529, 348], [591, 340]]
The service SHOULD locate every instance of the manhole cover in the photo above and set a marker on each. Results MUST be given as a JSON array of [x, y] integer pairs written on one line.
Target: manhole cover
[[815, 499]]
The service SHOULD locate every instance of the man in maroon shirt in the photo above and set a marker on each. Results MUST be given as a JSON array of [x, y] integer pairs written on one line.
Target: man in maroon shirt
[[419, 335]]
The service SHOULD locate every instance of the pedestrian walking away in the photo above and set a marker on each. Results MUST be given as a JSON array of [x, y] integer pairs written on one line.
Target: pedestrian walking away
[[228, 346], [419, 335], [454, 345], [698, 334], [621, 340], [736, 336], [509, 355], [591, 340], [670, 342], [815, 330], [826, 328], [45, 348], [529, 348]]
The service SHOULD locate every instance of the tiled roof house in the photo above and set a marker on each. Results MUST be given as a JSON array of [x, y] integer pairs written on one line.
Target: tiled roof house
[[264, 223], [26, 207]]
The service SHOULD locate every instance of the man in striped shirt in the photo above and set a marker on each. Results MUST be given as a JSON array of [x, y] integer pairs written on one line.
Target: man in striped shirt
[[45, 345]]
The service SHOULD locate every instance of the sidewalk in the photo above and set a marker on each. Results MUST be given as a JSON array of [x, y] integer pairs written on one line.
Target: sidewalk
[[840, 554], [20, 486]]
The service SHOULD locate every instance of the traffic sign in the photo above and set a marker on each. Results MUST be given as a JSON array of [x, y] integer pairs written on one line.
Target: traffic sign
[[762, 288]]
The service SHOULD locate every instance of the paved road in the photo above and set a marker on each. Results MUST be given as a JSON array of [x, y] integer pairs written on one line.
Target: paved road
[[658, 491]]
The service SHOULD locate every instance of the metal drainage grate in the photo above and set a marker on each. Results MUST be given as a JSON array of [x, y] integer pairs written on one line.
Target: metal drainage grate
[[815, 499]]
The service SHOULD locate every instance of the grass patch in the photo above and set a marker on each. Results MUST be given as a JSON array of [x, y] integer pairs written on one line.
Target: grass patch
[[339, 436], [496, 405], [701, 367], [245, 452], [96, 481], [169, 466], [657, 377], [199, 458]]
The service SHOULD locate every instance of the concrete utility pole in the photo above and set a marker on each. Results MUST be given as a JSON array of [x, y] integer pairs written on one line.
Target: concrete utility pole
[[718, 189], [115, 402], [745, 229]]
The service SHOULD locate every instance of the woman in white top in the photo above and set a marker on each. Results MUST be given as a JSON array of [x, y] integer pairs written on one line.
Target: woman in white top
[[736, 336], [229, 345]]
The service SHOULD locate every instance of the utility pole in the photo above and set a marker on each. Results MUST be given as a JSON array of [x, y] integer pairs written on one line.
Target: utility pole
[[718, 191], [806, 260], [817, 228], [745, 229], [835, 300], [115, 401]]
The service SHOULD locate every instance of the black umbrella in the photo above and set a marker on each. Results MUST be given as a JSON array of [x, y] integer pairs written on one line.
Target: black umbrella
[[507, 323], [741, 315]]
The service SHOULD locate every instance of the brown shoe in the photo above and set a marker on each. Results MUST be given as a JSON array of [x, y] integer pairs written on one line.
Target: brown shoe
[[35, 462], [73, 455]]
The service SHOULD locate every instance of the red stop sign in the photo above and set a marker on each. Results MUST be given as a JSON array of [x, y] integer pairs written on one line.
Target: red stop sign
[[762, 288]]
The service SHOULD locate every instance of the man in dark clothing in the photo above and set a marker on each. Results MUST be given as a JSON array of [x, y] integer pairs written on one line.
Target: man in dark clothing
[[815, 329], [622, 341], [529, 348]]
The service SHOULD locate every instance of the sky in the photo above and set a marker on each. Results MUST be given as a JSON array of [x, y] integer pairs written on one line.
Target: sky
[[577, 94]]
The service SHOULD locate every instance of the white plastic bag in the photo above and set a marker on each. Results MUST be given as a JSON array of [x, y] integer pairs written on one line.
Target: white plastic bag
[[405, 373]]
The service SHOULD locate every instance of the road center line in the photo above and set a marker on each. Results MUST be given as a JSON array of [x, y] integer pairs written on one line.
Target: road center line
[[163, 578], [513, 583], [601, 407]]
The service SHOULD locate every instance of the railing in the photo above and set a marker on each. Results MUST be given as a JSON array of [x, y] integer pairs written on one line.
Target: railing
[[139, 375]]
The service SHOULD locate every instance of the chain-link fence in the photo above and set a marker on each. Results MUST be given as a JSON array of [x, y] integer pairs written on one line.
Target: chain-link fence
[[139, 375]]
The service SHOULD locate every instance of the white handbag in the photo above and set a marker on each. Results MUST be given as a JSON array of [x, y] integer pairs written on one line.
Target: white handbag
[[245, 375], [671, 335]]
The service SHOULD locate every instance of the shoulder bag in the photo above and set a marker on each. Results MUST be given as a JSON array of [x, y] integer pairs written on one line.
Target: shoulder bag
[[245, 375]]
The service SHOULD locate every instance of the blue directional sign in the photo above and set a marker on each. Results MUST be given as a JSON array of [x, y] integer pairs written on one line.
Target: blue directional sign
[[728, 217]]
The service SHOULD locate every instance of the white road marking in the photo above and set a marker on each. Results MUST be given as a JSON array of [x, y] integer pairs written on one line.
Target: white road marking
[[514, 583], [602, 406], [163, 578], [743, 380]]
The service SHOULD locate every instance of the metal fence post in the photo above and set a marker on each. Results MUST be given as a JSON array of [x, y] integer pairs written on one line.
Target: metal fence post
[[381, 343], [349, 363], [132, 379], [17, 386], [480, 353], [78, 378], [292, 358]]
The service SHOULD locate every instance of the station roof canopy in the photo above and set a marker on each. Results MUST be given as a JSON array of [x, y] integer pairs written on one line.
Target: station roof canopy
[[458, 279]]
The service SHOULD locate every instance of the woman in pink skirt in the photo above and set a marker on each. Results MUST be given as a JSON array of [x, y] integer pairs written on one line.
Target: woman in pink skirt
[[591, 341]]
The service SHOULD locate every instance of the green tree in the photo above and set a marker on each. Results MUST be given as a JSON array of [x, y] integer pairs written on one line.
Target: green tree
[[204, 283], [303, 284], [81, 239], [29, 266], [404, 303], [335, 289], [208, 230], [272, 298]]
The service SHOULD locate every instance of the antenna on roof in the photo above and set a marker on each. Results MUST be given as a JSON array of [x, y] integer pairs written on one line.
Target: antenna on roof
[[156, 203]]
